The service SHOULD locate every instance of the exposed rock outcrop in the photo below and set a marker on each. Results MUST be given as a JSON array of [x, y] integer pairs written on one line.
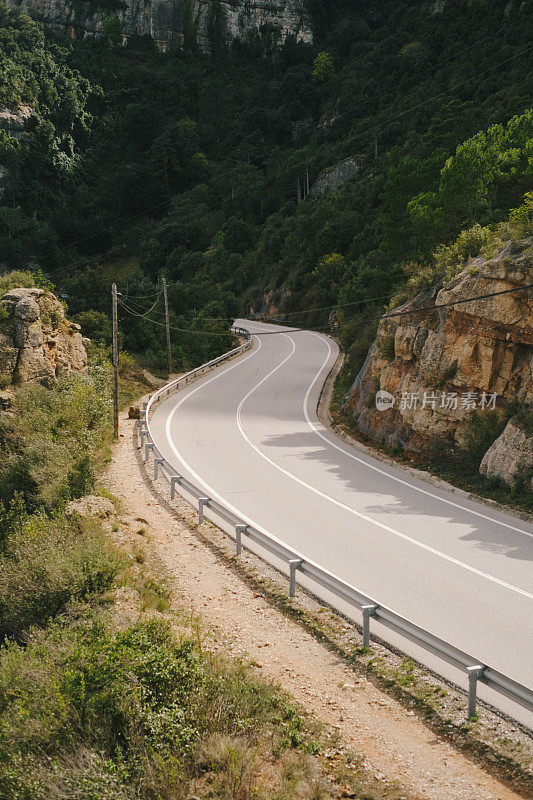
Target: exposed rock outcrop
[[14, 122], [428, 371], [37, 343], [163, 20], [335, 177], [510, 458]]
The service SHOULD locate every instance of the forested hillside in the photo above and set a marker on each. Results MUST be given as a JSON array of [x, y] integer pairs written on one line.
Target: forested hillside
[[197, 165]]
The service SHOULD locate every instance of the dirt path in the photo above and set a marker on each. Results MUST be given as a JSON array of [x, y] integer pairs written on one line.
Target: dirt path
[[394, 743]]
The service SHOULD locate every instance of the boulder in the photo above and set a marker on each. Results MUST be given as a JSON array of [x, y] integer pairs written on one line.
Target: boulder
[[37, 343], [510, 458]]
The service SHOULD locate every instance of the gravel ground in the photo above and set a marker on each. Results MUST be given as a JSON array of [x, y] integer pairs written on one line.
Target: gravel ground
[[394, 744]]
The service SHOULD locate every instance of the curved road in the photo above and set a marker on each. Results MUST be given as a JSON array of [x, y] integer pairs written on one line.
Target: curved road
[[249, 434]]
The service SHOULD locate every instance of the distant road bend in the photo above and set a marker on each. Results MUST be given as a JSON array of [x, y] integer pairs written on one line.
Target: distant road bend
[[249, 434]]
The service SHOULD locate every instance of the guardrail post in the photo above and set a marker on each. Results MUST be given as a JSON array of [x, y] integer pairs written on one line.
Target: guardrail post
[[368, 611], [157, 464], [147, 447], [239, 530], [143, 433], [202, 501], [174, 479], [145, 405], [294, 564], [474, 674]]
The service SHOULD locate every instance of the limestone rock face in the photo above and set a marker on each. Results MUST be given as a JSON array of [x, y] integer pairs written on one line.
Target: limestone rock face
[[510, 458], [163, 19], [14, 122], [334, 177], [37, 343], [439, 365]]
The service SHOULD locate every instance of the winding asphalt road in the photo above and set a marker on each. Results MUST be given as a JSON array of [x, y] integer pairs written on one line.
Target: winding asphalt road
[[249, 434]]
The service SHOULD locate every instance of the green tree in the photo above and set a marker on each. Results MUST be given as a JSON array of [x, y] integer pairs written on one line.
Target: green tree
[[112, 27], [323, 68]]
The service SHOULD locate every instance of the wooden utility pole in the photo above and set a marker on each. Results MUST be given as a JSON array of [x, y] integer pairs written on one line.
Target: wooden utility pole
[[167, 326], [115, 359]]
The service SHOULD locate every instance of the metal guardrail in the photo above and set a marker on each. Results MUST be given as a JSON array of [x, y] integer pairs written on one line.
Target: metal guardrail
[[298, 563]]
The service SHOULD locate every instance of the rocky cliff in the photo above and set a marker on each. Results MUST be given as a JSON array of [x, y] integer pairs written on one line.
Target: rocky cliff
[[164, 20], [430, 370], [37, 343]]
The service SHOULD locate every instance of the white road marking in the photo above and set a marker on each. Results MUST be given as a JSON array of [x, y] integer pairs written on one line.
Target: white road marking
[[327, 497]]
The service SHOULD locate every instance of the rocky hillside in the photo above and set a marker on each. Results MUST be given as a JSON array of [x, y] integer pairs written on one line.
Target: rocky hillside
[[37, 343], [430, 373], [167, 20]]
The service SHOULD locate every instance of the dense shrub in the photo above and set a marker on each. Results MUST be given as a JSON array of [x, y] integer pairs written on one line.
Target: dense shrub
[[54, 443], [92, 713], [45, 564]]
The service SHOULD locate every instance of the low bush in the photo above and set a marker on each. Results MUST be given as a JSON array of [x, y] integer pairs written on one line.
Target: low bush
[[385, 346], [450, 260]]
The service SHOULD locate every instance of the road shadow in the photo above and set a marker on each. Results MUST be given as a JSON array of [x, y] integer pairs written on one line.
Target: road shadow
[[362, 481]]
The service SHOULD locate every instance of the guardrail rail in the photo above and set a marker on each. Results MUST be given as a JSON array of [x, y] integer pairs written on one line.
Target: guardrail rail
[[370, 608]]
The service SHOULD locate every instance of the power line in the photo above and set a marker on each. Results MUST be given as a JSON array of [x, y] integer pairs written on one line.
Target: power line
[[152, 307], [420, 310], [139, 309], [457, 302], [172, 327], [334, 306], [142, 296]]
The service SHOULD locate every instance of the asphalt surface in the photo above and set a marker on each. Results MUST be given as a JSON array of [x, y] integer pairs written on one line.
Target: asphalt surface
[[249, 434]]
